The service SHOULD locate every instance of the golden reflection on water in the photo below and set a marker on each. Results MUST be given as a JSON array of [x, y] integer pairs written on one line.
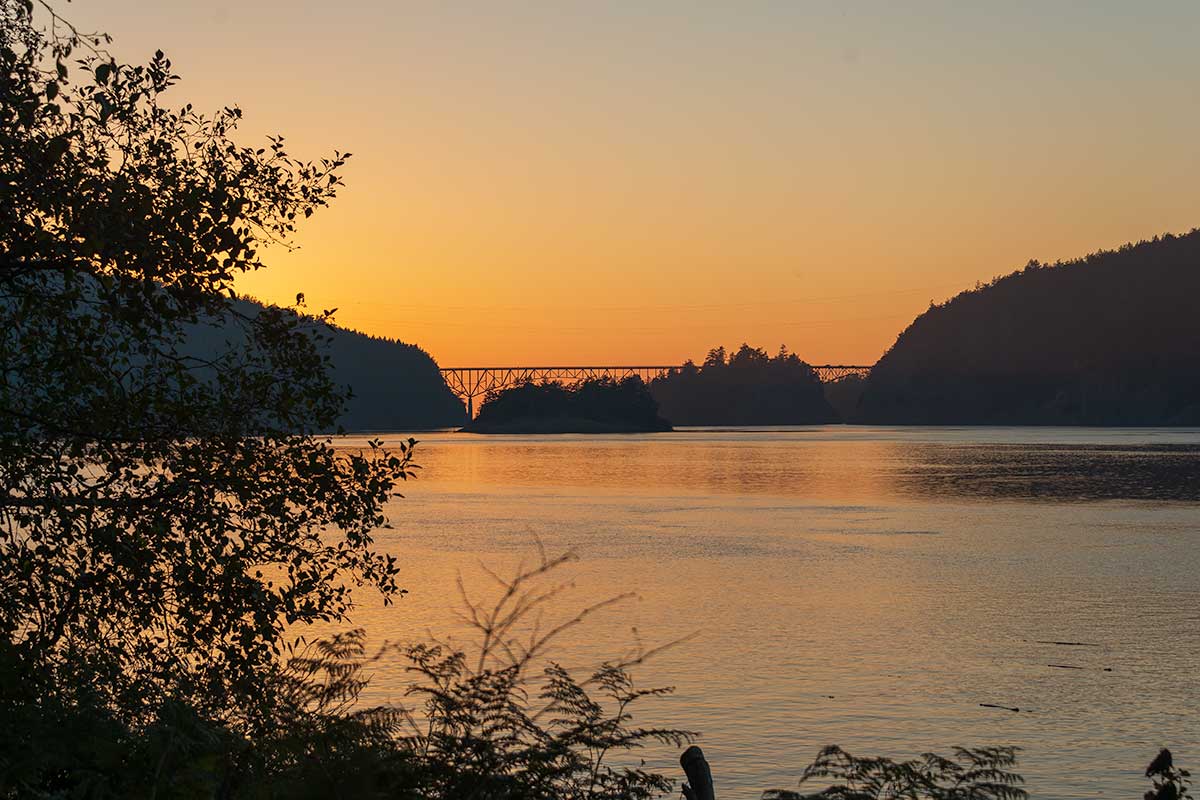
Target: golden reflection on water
[[865, 587], [654, 463]]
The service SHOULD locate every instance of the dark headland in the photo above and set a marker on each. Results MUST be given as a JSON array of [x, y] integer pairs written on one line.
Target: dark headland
[[1109, 339]]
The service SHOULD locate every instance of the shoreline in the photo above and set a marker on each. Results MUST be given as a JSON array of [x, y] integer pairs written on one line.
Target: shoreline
[[535, 425]]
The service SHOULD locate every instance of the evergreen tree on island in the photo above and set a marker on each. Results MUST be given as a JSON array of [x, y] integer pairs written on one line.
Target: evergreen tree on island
[[747, 388]]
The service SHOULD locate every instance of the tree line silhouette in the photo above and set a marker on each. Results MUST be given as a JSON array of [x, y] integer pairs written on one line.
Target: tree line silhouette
[[748, 387], [1109, 339]]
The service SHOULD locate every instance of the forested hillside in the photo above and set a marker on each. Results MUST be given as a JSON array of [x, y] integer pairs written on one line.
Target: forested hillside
[[1109, 339], [394, 386]]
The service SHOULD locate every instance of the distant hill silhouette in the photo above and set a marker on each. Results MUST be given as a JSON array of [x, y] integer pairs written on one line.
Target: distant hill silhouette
[[395, 386], [747, 388], [1109, 339], [599, 405]]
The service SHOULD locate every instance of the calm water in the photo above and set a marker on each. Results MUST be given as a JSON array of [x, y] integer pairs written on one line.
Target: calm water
[[860, 586]]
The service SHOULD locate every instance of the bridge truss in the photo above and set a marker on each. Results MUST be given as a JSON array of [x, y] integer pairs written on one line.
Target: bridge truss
[[469, 383], [831, 373]]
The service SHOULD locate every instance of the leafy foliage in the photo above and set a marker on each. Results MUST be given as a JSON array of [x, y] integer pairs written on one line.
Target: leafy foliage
[[970, 774], [164, 515], [501, 722], [496, 721]]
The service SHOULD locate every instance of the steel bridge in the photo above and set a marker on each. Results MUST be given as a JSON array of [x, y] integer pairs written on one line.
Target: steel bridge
[[469, 383]]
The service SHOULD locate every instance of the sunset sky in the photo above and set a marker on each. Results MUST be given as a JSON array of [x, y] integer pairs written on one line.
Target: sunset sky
[[637, 182]]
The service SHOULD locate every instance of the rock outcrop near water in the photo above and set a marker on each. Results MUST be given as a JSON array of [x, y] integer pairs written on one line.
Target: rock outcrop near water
[[1109, 339]]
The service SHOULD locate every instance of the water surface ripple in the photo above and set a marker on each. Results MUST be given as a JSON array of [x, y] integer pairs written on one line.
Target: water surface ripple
[[869, 587]]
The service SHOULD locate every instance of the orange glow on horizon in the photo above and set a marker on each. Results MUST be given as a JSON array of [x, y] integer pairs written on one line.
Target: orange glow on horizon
[[623, 183]]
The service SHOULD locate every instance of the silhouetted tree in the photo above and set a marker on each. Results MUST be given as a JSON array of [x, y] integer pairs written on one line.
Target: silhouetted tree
[[747, 388], [163, 514], [715, 357]]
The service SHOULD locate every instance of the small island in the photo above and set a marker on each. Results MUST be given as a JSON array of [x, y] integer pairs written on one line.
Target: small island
[[600, 405]]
